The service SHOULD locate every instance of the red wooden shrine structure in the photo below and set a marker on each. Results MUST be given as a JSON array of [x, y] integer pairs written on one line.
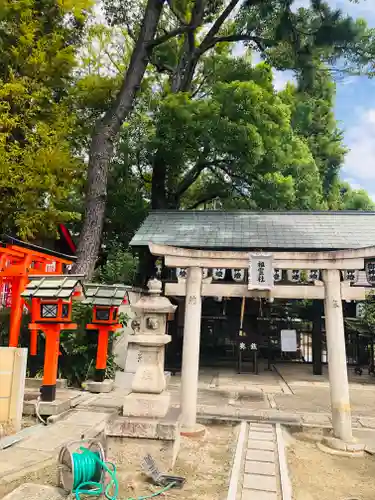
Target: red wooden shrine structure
[[19, 261]]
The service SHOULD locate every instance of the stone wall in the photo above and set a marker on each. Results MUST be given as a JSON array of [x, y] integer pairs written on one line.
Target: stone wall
[[12, 385]]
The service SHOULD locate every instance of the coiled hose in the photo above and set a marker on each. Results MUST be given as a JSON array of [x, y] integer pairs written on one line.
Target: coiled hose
[[88, 466]]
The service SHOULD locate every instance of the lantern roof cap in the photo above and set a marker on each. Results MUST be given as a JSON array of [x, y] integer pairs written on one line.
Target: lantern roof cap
[[52, 287], [99, 294], [154, 302]]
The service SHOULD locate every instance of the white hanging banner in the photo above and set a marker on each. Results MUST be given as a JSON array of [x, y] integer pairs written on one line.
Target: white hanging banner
[[238, 274], [260, 271], [294, 275], [288, 340], [218, 273]]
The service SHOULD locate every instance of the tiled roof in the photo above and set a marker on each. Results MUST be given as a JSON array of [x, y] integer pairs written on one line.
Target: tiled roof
[[51, 287], [104, 295], [258, 230]]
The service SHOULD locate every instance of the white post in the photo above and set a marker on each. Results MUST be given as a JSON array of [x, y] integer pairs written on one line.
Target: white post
[[337, 367], [191, 347]]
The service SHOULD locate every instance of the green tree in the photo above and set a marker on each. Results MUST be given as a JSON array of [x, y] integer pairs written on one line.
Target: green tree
[[175, 37], [355, 199], [313, 118], [235, 140], [38, 171]]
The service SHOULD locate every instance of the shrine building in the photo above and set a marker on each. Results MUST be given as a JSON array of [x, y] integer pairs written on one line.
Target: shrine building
[[239, 279]]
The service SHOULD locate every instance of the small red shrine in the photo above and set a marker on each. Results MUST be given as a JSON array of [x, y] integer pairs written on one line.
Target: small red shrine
[[51, 312], [106, 300]]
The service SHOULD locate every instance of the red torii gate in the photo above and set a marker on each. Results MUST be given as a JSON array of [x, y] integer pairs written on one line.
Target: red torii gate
[[18, 261]]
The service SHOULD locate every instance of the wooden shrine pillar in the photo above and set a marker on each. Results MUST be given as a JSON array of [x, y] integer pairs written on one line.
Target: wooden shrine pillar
[[317, 336]]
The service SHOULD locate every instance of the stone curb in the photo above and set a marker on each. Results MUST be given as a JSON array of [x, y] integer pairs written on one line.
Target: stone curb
[[286, 487], [207, 419], [237, 463]]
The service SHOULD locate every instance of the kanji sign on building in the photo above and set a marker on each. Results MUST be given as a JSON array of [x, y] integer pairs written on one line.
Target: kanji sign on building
[[260, 271]]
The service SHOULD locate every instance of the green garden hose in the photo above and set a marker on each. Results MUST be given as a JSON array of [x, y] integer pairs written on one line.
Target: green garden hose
[[88, 468]]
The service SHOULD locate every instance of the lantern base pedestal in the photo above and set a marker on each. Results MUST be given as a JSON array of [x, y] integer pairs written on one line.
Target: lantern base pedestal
[[98, 387], [161, 437], [139, 404], [49, 408]]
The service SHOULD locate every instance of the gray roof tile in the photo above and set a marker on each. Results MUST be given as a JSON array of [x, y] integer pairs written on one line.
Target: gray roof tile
[[250, 230], [104, 295]]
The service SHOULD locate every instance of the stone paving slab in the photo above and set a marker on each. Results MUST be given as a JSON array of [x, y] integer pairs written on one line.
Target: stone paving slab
[[51, 438], [260, 455], [264, 468], [260, 482], [260, 436], [258, 495], [260, 445], [30, 491], [15, 458]]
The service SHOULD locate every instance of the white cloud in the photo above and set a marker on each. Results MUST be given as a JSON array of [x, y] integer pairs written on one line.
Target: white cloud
[[360, 138]]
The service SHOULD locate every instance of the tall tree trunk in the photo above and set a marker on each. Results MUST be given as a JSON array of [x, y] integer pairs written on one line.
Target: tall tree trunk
[[158, 184], [104, 135]]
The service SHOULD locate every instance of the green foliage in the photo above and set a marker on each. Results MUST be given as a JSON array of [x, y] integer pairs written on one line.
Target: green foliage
[[355, 199], [38, 172], [313, 118], [120, 267]]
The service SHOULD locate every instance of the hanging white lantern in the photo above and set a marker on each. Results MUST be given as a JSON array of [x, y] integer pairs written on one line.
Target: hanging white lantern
[[313, 275], [238, 275], [294, 275], [277, 275], [350, 275], [181, 273], [360, 310], [218, 273], [370, 272]]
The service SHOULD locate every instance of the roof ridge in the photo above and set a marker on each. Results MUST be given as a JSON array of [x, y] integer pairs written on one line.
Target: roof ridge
[[267, 212]]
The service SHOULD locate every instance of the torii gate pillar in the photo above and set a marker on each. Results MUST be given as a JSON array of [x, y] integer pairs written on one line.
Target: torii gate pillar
[[337, 367], [190, 353]]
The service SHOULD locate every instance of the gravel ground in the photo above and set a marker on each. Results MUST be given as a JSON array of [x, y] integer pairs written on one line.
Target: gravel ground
[[205, 463], [316, 475]]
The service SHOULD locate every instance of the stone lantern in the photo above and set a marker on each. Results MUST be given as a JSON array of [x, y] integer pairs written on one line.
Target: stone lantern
[[148, 397]]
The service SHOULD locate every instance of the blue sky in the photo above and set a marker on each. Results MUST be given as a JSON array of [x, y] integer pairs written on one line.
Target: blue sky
[[355, 106], [355, 110]]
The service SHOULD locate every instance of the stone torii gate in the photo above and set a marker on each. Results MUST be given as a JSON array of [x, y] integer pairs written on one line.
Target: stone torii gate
[[330, 289]]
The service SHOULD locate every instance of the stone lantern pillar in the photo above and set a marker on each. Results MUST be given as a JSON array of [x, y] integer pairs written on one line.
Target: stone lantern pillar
[[148, 397]]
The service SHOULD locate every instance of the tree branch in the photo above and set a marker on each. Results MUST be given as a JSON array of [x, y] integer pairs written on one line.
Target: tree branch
[[170, 34], [217, 25], [191, 177], [204, 199], [261, 43]]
